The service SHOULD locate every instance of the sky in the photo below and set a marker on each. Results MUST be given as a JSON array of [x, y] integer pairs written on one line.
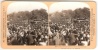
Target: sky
[[25, 6], [59, 6]]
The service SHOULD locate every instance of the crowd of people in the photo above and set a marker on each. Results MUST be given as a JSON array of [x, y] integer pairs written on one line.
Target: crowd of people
[[56, 34], [62, 35], [29, 35]]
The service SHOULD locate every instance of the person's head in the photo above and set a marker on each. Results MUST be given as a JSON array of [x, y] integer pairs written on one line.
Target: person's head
[[56, 30], [75, 32]]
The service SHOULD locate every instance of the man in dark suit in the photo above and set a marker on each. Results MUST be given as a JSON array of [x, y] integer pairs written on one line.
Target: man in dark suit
[[30, 39]]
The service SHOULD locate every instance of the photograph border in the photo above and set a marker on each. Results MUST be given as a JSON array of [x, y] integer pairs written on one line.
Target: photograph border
[[92, 29]]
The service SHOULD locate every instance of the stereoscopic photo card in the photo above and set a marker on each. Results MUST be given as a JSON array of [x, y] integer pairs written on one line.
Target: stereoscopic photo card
[[48, 25]]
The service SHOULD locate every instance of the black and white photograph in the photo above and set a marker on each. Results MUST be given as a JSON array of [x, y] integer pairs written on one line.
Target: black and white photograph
[[48, 25], [27, 23], [69, 24], [62, 23]]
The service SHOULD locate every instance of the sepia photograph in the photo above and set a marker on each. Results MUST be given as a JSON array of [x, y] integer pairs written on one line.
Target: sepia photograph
[[42, 25], [27, 23], [69, 24]]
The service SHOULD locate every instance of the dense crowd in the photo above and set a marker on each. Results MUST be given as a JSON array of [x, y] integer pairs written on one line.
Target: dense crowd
[[20, 35], [58, 35], [62, 28], [62, 35]]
